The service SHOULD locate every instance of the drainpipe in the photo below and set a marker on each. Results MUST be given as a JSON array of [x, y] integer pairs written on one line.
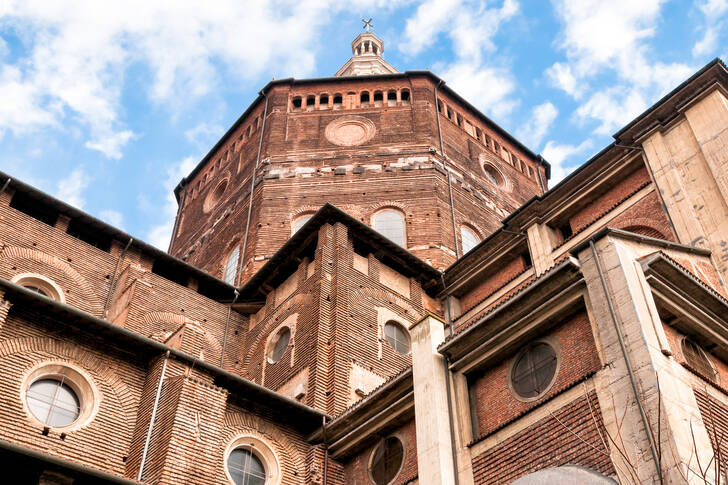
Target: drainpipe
[[252, 188], [227, 322], [151, 420], [628, 363], [112, 287], [449, 180], [326, 451], [448, 387]]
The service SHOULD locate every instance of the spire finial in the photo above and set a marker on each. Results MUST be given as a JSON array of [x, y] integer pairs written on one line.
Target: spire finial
[[367, 24]]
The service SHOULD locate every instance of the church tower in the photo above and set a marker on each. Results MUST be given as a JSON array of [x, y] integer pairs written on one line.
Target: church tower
[[399, 151]]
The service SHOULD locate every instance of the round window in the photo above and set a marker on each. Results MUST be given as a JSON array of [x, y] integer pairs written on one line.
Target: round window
[[492, 174], [245, 468], [214, 196], [53, 402], [280, 345], [534, 370], [39, 284], [387, 461], [397, 337]]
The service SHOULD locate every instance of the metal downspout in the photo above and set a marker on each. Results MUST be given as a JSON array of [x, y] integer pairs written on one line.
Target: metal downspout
[[227, 322], [112, 287], [252, 189], [448, 387], [628, 363], [326, 451], [151, 420], [449, 176]]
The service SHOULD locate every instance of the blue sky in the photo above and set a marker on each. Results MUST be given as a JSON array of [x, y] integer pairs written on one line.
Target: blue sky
[[106, 105]]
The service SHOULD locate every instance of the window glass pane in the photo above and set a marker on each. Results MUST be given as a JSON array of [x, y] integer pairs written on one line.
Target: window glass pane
[[387, 460], [390, 224], [284, 336], [231, 266], [245, 468], [36, 289], [534, 370], [53, 402], [469, 239], [397, 337], [298, 224]]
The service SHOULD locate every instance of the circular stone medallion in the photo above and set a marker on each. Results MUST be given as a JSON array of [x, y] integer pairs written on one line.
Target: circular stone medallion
[[348, 131]]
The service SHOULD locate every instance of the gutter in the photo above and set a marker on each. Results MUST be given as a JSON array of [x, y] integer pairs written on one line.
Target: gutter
[[65, 464], [156, 347], [449, 175]]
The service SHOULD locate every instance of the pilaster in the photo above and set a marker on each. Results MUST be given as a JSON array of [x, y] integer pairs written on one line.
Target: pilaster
[[541, 243], [434, 449]]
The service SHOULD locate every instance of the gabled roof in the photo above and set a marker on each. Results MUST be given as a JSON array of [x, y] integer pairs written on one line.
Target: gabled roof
[[289, 256]]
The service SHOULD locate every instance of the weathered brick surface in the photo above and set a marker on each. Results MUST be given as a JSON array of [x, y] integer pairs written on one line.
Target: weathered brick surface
[[500, 275], [715, 418], [570, 436], [493, 401]]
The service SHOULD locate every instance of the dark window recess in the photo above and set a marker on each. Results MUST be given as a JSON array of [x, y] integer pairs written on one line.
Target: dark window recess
[[296, 103], [378, 96], [171, 272], [337, 99], [392, 96], [387, 460], [534, 370], [405, 96], [89, 235], [566, 231], [364, 97], [35, 208], [324, 100], [697, 359], [527, 259]]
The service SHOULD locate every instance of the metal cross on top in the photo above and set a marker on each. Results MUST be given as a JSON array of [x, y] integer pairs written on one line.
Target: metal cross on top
[[368, 24]]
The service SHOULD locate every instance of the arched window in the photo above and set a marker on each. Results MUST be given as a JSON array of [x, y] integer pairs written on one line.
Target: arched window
[[698, 360], [405, 97], [299, 222], [468, 239], [231, 266], [397, 337], [390, 223], [386, 461], [296, 104], [324, 101], [378, 99], [39, 284], [278, 345], [245, 468], [310, 102], [364, 98], [338, 101], [392, 98]]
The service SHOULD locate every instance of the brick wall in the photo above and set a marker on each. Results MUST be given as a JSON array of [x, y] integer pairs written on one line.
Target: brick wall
[[571, 436], [494, 403], [500, 275]]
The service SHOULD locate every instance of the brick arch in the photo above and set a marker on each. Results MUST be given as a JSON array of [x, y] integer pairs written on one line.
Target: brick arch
[[271, 323], [85, 359], [644, 230], [86, 291], [291, 458]]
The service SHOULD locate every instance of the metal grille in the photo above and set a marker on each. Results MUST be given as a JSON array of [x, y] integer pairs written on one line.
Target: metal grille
[[534, 370], [387, 460], [390, 224], [245, 468], [53, 402], [397, 337], [697, 359]]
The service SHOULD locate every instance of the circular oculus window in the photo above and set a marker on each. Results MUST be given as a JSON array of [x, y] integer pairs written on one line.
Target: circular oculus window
[[349, 131], [279, 345], [214, 196], [59, 396], [386, 461], [534, 371]]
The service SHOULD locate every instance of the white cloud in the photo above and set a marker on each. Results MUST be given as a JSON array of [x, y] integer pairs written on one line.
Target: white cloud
[[160, 234], [713, 10], [111, 144], [78, 53], [611, 39], [538, 125], [115, 218], [557, 154], [470, 26], [70, 189], [204, 134]]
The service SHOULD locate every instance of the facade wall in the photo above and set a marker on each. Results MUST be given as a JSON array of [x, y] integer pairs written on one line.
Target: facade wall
[[572, 435], [494, 403]]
